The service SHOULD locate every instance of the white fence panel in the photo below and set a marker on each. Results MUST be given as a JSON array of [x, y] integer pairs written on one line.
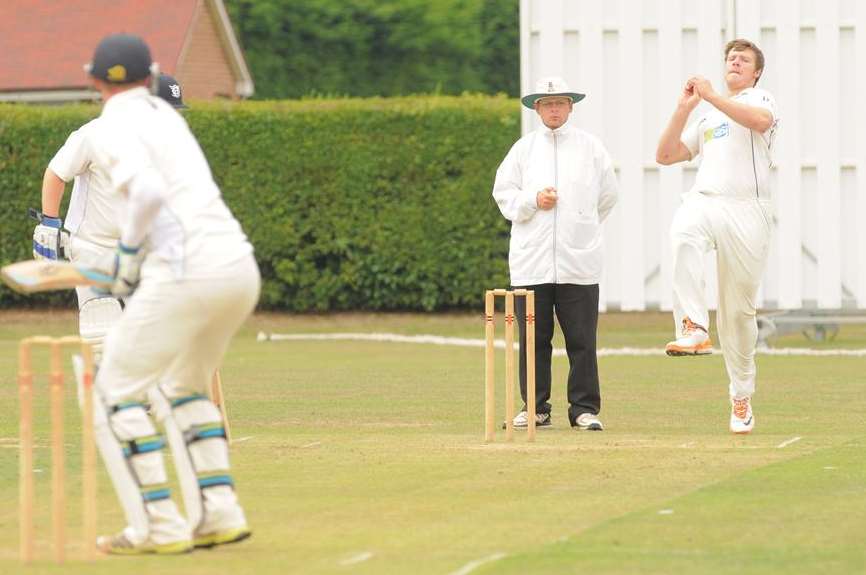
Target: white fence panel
[[827, 140], [630, 114], [787, 266], [632, 57], [670, 83], [859, 274]]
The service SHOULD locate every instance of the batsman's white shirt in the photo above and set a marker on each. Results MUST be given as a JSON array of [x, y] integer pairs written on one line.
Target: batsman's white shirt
[[735, 161], [94, 212], [194, 234]]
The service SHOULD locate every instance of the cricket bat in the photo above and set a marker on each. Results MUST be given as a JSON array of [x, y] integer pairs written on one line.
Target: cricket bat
[[32, 276]]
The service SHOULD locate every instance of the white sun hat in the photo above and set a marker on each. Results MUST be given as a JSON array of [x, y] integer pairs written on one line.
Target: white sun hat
[[548, 88]]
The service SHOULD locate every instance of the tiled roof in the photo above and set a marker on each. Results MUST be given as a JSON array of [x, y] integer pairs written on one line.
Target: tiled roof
[[45, 43]]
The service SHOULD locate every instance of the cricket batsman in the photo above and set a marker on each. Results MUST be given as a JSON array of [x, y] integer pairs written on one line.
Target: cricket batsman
[[187, 273]]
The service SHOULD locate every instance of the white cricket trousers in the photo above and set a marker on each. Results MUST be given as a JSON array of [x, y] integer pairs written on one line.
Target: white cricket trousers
[[739, 230], [175, 333]]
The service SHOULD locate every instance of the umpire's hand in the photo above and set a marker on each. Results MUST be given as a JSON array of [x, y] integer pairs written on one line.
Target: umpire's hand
[[546, 199]]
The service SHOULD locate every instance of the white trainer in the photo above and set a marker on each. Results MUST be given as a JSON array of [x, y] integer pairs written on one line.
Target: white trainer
[[522, 420], [742, 419], [694, 341], [589, 422]]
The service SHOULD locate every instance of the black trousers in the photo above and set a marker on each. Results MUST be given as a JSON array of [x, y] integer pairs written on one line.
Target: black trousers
[[576, 308]]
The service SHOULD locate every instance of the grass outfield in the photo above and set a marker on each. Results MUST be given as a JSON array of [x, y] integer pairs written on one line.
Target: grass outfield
[[367, 457]]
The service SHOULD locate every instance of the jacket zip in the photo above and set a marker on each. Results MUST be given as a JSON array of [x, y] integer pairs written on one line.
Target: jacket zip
[[556, 187]]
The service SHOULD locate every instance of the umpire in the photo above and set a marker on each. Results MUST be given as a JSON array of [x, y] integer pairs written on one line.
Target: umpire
[[556, 186]]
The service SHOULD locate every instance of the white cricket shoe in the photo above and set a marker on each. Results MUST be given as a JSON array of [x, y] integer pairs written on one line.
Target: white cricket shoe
[[522, 420], [742, 419], [222, 537], [589, 422], [694, 341], [121, 545]]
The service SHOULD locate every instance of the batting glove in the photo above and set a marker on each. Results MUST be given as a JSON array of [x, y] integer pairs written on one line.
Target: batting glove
[[127, 267], [50, 240]]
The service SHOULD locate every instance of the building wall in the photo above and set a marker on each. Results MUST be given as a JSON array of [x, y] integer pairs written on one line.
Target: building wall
[[631, 58], [204, 70]]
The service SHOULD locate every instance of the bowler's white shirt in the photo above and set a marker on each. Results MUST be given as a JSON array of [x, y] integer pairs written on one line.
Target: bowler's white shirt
[[735, 161]]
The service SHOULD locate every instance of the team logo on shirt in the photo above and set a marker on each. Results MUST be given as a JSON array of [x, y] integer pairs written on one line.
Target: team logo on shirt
[[718, 132]]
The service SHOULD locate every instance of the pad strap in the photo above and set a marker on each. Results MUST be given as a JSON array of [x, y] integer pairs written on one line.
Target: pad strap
[[215, 479], [205, 431], [127, 405], [142, 445], [157, 492], [175, 403]]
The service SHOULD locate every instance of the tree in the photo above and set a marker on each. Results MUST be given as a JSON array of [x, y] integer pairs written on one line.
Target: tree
[[500, 34], [298, 48]]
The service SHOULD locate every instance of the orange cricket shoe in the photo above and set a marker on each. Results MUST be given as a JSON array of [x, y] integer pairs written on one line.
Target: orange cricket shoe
[[694, 341]]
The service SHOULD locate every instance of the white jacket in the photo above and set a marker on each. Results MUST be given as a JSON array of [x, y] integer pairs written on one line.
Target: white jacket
[[562, 245]]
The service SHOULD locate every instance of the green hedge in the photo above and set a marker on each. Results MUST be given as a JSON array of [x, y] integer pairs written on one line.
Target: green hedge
[[373, 204], [29, 137]]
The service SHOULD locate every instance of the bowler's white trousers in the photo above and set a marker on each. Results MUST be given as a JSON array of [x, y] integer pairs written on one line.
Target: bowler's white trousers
[[739, 230]]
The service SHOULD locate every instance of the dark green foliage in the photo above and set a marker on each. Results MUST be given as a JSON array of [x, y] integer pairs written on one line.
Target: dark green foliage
[[29, 137], [500, 55], [351, 204], [379, 47]]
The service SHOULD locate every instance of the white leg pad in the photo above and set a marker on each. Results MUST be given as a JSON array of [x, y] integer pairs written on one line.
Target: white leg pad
[[192, 498], [95, 317], [125, 484], [201, 424], [142, 447]]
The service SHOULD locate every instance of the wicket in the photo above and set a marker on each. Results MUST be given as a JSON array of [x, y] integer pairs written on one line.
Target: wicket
[[216, 395], [489, 361], [58, 469]]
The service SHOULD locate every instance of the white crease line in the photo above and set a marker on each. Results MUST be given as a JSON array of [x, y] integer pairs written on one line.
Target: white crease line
[[473, 565], [359, 558], [242, 439], [500, 344], [785, 444], [313, 444]]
